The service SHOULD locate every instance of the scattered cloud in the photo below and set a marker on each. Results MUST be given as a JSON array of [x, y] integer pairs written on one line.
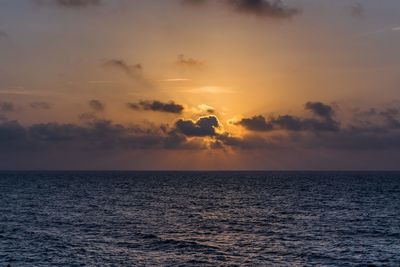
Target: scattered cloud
[[320, 109], [130, 70], [40, 105], [7, 106], [323, 123], [256, 123], [189, 62], [134, 71], [97, 105], [260, 8], [373, 129], [263, 8], [204, 126], [357, 10], [70, 3], [155, 105]]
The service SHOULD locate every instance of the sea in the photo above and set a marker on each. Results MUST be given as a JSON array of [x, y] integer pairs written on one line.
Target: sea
[[199, 219]]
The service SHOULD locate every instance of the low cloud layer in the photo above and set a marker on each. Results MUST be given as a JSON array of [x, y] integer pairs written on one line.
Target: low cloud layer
[[157, 106], [318, 129]]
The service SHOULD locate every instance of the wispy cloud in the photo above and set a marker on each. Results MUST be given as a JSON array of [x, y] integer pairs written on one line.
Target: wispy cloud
[[175, 80], [189, 62], [357, 10], [70, 3], [383, 30], [209, 90]]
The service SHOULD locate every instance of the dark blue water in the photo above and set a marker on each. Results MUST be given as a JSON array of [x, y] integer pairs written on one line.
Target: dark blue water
[[199, 219]]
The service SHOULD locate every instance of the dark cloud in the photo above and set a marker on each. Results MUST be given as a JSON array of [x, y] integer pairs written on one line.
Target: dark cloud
[[7, 107], [12, 136], [97, 105], [40, 105], [191, 62], [70, 3], [95, 134], [131, 70], [256, 123], [260, 8], [375, 120], [204, 126], [391, 117], [324, 123], [320, 109], [263, 8], [170, 107], [357, 11], [374, 130], [374, 133]]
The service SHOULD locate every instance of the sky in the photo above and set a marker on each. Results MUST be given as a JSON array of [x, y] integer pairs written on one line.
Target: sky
[[199, 85]]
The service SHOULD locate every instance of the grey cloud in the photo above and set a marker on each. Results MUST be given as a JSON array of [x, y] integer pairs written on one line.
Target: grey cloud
[[12, 136], [357, 10], [320, 109], [119, 64], [263, 8], [260, 8], [70, 3], [194, 2], [190, 62], [97, 105], [7, 106], [302, 133], [204, 126], [158, 106], [256, 123], [40, 105], [324, 123], [94, 135]]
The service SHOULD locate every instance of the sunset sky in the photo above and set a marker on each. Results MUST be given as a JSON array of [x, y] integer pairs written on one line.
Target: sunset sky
[[197, 84]]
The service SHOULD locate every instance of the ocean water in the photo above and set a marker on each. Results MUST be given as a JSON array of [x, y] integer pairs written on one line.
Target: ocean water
[[199, 218]]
